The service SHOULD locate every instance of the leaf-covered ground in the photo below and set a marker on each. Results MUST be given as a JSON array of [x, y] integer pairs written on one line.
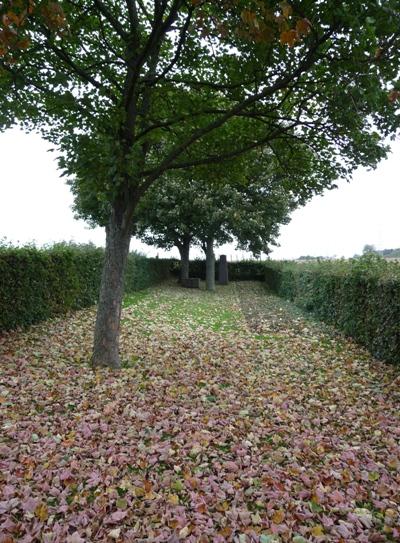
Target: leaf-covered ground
[[234, 419]]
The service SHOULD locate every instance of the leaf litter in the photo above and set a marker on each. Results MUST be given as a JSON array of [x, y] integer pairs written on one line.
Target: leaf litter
[[234, 418]]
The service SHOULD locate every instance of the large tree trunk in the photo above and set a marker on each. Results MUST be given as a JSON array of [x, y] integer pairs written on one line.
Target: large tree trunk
[[210, 265], [107, 329], [184, 250]]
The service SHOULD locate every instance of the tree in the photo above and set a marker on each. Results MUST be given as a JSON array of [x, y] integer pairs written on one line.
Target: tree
[[263, 209], [180, 212], [132, 89], [369, 249], [250, 213], [166, 217], [176, 212]]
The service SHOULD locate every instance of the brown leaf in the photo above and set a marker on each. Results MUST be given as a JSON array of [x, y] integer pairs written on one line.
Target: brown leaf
[[278, 517], [303, 27], [288, 37], [42, 512], [286, 8]]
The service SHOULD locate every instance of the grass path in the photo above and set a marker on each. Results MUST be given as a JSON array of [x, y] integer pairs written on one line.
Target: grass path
[[235, 418]]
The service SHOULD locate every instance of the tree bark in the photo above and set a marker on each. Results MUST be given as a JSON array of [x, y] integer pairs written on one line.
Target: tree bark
[[210, 265], [107, 328], [184, 250]]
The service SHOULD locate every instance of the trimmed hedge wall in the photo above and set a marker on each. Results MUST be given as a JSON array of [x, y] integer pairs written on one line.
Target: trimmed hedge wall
[[143, 272], [36, 284], [246, 270], [360, 296]]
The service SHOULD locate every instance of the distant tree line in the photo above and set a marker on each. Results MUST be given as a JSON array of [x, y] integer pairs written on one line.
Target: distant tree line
[[386, 253], [309, 257]]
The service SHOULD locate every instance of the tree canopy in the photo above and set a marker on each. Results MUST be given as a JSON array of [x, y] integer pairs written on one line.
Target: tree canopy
[[183, 208], [132, 88], [183, 205]]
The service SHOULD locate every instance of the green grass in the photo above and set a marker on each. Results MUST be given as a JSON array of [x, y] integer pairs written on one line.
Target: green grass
[[134, 298], [203, 313], [194, 308], [267, 338]]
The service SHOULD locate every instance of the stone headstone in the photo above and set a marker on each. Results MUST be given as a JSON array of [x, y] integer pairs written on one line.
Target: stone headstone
[[223, 278], [192, 282]]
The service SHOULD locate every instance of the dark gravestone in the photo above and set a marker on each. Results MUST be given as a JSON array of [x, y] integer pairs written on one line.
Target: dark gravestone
[[192, 282], [223, 270]]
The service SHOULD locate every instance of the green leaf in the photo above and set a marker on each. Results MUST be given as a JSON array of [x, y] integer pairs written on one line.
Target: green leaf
[[269, 538]]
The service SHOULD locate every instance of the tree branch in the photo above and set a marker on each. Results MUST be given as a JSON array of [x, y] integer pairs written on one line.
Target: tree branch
[[107, 42], [210, 84], [119, 29], [132, 14], [151, 175], [38, 86], [153, 43], [81, 72], [144, 11], [280, 84], [178, 51]]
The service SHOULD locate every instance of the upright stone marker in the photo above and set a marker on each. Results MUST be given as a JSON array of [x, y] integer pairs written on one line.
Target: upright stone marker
[[223, 270]]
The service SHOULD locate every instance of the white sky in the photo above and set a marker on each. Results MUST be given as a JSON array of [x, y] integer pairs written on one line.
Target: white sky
[[35, 206]]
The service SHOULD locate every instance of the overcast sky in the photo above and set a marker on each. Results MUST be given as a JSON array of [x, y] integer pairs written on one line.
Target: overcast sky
[[35, 206]]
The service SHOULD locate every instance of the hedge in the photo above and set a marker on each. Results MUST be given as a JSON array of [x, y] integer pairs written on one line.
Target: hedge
[[244, 270], [360, 296], [36, 284]]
